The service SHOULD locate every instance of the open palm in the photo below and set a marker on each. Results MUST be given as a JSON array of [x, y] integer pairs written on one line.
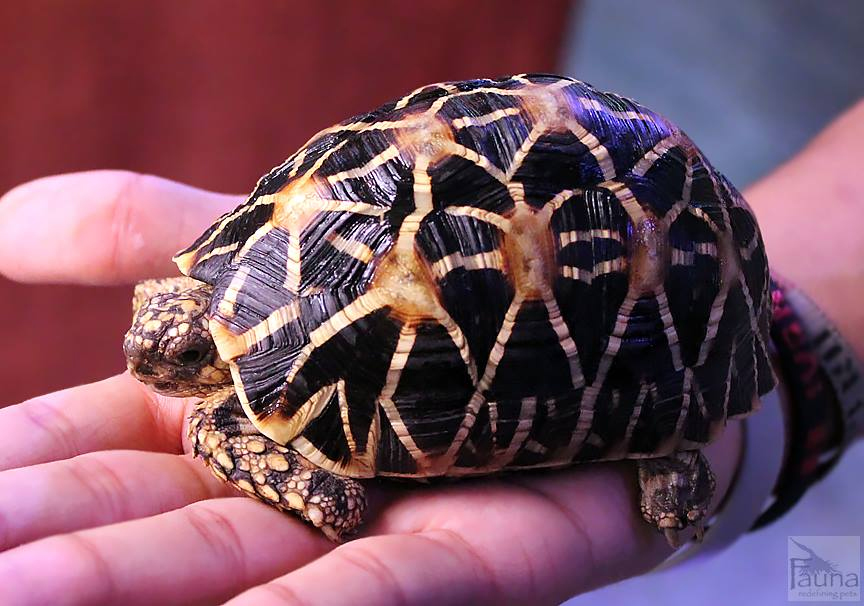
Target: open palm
[[100, 501]]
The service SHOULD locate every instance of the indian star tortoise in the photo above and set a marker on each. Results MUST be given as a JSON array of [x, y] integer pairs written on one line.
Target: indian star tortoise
[[496, 274]]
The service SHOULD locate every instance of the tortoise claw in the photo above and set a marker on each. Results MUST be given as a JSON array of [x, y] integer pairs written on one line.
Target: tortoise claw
[[671, 535]]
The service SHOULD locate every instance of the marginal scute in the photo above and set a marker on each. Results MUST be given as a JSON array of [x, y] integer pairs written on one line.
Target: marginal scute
[[231, 346], [283, 429]]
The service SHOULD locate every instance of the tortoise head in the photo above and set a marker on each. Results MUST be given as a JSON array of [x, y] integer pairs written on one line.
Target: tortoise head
[[169, 346]]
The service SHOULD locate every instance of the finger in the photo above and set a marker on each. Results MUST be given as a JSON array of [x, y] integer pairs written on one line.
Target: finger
[[203, 553], [533, 540], [397, 569], [115, 413], [101, 227], [96, 489]]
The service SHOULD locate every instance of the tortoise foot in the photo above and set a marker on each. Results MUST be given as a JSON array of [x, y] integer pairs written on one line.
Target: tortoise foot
[[235, 452], [676, 493]]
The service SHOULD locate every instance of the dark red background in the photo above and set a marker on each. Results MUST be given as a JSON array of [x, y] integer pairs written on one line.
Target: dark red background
[[211, 93]]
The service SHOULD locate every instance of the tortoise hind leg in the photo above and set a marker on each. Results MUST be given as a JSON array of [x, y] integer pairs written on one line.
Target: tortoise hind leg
[[237, 453], [676, 491]]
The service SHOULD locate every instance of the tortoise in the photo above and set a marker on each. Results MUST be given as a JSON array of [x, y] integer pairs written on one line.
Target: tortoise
[[481, 276]]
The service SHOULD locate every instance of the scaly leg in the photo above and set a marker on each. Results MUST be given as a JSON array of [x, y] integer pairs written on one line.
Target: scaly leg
[[236, 452], [676, 492]]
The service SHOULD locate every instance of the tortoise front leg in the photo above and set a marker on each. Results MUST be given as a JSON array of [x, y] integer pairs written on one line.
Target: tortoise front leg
[[676, 492], [236, 452]]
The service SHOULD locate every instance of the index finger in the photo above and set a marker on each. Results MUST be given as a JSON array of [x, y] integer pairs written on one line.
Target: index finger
[[118, 412], [101, 227]]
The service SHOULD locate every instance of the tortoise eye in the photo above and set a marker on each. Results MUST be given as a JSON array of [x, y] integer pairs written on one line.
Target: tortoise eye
[[193, 355]]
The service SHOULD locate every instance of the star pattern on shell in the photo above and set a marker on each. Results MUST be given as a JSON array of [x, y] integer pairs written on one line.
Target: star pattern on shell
[[461, 228]]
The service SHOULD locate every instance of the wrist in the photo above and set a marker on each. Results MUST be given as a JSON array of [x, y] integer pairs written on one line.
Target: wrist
[[806, 209]]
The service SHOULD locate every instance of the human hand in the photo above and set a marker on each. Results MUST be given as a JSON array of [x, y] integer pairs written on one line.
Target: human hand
[[808, 210], [100, 502]]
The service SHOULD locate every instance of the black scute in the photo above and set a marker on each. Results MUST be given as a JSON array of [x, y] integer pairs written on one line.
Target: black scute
[[480, 440], [627, 140], [752, 254], [459, 182], [263, 290], [590, 310], [557, 161], [360, 354], [247, 218], [552, 427], [328, 268], [497, 141], [534, 363], [392, 457], [378, 187], [691, 289], [433, 390], [442, 234], [477, 302], [704, 197], [643, 353], [239, 227], [325, 432], [663, 185], [744, 368]]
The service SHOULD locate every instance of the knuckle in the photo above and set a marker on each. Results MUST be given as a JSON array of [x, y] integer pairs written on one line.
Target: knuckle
[[276, 592], [220, 536], [368, 562], [121, 215], [50, 420], [105, 484], [91, 568], [468, 556]]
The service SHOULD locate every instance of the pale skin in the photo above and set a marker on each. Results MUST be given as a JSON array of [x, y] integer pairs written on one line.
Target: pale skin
[[96, 488]]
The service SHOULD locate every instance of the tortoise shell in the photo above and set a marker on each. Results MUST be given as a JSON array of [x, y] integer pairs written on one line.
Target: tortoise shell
[[511, 273]]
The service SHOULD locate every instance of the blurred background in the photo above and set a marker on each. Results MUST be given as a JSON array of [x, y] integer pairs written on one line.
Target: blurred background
[[213, 93]]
